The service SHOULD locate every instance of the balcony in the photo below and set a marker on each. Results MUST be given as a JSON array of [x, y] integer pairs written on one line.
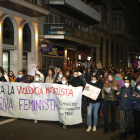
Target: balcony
[[77, 9], [26, 7]]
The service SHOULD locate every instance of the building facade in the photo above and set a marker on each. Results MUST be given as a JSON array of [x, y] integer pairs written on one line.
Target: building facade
[[118, 31], [76, 43], [19, 29]]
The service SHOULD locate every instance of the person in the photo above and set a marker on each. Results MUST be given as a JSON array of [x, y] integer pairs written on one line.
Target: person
[[122, 72], [37, 79], [117, 76], [4, 74], [125, 107], [41, 75], [109, 91], [58, 78], [68, 75], [49, 78], [21, 78], [64, 81], [88, 76], [2, 78], [93, 105], [12, 77], [136, 112]]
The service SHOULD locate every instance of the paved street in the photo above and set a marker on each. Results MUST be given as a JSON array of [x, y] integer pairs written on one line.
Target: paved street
[[21, 129]]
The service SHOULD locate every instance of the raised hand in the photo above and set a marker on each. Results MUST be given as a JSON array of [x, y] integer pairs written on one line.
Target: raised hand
[[117, 93], [125, 95]]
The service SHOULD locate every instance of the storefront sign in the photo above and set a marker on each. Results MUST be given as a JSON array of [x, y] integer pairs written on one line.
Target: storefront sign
[[54, 29], [56, 51], [46, 47]]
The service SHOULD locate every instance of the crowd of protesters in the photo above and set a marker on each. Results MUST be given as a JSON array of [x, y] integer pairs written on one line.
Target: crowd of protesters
[[126, 97]]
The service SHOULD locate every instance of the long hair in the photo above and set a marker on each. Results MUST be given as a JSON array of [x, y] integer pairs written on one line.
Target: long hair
[[52, 72], [2, 70], [114, 82]]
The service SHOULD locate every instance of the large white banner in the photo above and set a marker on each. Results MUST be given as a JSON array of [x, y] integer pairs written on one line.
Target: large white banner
[[52, 102], [91, 91]]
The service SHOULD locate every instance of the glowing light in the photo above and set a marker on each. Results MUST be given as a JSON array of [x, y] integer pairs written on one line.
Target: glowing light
[[36, 36], [20, 32], [0, 27]]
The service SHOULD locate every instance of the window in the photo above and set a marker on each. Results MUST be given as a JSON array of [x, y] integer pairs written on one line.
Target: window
[[114, 21], [104, 18], [53, 18], [26, 38], [83, 28], [69, 23], [8, 32], [34, 1]]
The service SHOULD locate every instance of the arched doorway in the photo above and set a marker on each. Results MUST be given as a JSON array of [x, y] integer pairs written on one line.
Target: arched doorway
[[8, 32], [26, 38], [26, 44]]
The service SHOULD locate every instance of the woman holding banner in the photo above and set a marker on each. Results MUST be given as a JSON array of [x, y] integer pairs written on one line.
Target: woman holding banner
[[49, 78], [109, 91], [93, 104]]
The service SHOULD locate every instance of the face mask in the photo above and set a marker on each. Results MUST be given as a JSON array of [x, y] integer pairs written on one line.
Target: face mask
[[110, 81], [126, 84], [138, 88], [84, 72], [36, 79], [93, 81], [101, 76], [63, 82], [0, 74], [117, 78], [19, 76], [120, 70], [60, 76]]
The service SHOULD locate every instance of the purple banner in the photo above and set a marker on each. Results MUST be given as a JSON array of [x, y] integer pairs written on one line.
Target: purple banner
[[136, 63]]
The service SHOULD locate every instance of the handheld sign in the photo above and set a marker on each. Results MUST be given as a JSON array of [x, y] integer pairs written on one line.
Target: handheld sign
[[91, 92]]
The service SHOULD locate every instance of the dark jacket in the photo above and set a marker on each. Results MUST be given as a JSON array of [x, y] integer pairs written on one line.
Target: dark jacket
[[75, 82], [137, 103], [3, 79], [111, 96], [88, 77], [98, 85], [69, 77], [22, 79], [125, 103]]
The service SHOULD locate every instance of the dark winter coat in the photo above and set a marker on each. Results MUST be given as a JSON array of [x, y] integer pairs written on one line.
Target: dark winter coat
[[88, 77], [22, 79], [98, 85], [137, 103], [75, 82], [125, 102]]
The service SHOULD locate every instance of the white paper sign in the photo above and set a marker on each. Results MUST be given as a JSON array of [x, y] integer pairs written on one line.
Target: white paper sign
[[91, 92], [52, 102], [31, 69]]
